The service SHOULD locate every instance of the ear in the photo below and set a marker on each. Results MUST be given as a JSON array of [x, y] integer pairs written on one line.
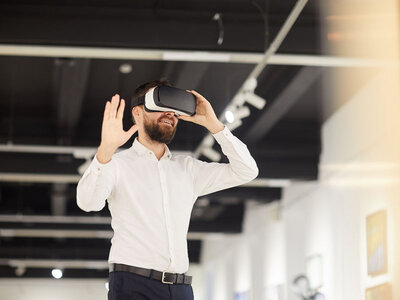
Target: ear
[[134, 115], [136, 112]]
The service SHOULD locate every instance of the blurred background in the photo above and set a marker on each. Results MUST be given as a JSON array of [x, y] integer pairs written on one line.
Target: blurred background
[[311, 87]]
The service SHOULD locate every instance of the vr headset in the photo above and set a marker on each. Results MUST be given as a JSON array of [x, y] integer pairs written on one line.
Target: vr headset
[[166, 98]]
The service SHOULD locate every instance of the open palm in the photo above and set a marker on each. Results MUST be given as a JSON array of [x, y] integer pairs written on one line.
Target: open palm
[[112, 133]]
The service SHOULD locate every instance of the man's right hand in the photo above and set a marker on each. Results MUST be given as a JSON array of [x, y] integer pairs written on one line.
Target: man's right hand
[[113, 134]]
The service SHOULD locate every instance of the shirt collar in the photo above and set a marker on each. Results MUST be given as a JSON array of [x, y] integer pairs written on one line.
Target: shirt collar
[[143, 151]]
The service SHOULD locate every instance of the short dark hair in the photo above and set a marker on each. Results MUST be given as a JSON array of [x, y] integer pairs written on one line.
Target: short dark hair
[[142, 90]]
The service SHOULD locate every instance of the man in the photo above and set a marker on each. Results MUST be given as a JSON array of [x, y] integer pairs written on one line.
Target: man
[[150, 194]]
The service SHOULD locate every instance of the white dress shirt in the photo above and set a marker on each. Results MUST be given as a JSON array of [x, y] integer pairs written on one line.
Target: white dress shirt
[[151, 200]]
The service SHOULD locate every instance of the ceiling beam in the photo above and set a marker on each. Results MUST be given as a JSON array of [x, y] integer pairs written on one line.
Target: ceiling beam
[[78, 152], [53, 219], [183, 55], [57, 233], [51, 263], [94, 234], [52, 178]]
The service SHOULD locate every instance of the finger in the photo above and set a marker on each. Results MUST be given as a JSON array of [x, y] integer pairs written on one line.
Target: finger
[[195, 96], [121, 108], [196, 93], [111, 105], [199, 97], [106, 115], [191, 93], [114, 105], [185, 118]]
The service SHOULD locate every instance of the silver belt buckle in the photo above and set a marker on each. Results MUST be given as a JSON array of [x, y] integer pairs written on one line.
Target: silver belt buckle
[[162, 279]]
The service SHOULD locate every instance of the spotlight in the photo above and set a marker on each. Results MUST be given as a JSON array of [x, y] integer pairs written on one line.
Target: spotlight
[[250, 98], [255, 100], [234, 113], [229, 116], [57, 273]]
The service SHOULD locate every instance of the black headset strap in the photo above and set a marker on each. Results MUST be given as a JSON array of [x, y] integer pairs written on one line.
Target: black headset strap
[[138, 101]]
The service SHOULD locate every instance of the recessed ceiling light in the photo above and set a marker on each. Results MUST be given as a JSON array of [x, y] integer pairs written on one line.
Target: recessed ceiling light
[[57, 273], [125, 68]]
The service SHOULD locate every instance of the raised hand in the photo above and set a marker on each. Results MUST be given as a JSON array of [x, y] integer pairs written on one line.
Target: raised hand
[[113, 134], [205, 115]]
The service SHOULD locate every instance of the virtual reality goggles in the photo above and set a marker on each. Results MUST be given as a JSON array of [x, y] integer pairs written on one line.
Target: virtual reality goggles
[[166, 98]]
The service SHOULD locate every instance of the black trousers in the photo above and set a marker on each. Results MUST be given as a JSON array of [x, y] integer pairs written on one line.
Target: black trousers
[[131, 286]]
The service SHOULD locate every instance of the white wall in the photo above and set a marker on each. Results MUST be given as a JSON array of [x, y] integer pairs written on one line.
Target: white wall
[[197, 273], [252, 261], [359, 175]]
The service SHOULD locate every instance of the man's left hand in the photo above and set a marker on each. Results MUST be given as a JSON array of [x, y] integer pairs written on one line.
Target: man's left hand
[[205, 115]]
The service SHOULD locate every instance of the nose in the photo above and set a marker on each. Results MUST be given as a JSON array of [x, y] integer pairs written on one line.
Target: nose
[[171, 113]]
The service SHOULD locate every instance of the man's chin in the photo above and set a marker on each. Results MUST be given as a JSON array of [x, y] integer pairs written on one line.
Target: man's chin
[[167, 137], [161, 135]]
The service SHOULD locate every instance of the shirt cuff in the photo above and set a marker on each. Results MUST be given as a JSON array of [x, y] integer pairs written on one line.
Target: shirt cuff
[[223, 135], [96, 166]]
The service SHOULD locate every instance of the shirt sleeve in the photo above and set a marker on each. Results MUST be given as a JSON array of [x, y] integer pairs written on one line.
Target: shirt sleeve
[[210, 177], [96, 185]]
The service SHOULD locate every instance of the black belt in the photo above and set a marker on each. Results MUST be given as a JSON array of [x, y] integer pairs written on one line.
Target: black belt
[[164, 277]]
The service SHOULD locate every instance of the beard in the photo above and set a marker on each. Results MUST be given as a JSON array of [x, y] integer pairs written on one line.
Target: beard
[[155, 131]]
